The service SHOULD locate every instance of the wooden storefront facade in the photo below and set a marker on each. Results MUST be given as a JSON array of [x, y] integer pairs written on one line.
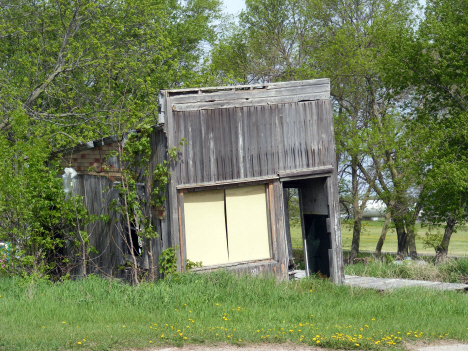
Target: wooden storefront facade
[[226, 203]]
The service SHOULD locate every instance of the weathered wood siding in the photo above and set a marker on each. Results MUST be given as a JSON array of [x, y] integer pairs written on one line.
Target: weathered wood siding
[[251, 142], [98, 193]]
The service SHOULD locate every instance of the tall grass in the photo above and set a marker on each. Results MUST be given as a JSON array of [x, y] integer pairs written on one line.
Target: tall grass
[[99, 314], [451, 271]]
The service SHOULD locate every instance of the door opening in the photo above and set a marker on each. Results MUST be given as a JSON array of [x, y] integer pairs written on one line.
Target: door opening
[[314, 215]]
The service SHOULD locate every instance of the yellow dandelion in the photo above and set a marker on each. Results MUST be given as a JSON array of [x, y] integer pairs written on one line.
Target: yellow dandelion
[[79, 342], [150, 341]]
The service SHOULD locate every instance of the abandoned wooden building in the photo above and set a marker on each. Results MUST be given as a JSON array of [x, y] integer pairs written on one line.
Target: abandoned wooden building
[[226, 203]]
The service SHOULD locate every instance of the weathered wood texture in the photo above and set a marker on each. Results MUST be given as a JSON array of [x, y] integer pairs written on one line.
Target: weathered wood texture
[[98, 193], [257, 268], [251, 142], [158, 144], [248, 95]]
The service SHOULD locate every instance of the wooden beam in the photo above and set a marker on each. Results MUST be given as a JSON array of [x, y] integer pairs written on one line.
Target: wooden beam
[[177, 92], [227, 95], [306, 173], [250, 102], [182, 248], [226, 182]]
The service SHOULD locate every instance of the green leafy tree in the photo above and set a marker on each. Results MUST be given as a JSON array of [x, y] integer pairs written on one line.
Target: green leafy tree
[[339, 39], [76, 66], [429, 61]]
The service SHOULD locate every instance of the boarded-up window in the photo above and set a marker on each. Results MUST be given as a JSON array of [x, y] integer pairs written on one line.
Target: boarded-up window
[[226, 226], [247, 223], [205, 227]]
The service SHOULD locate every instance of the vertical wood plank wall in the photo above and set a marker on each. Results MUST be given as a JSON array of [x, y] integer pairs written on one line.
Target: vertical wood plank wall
[[98, 193], [250, 142]]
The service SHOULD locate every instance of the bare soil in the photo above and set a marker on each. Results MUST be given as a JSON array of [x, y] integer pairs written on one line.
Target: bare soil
[[446, 345]]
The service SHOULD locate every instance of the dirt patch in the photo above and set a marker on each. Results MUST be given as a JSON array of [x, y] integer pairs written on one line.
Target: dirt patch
[[231, 347], [446, 345]]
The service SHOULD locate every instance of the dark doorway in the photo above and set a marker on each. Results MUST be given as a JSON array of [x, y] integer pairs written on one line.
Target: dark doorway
[[314, 216], [317, 243]]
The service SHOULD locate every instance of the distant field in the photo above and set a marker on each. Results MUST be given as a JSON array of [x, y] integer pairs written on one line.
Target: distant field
[[371, 233]]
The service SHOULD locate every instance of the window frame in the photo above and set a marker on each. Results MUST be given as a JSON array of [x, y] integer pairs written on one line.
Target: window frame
[[268, 183]]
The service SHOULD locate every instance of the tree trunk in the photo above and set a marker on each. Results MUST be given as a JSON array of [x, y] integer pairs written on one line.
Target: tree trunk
[[357, 214], [383, 235], [410, 229], [402, 236], [442, 248], [356, 238]]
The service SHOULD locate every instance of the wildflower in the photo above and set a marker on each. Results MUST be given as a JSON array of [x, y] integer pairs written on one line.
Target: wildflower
[[150, 341], [79, 342]]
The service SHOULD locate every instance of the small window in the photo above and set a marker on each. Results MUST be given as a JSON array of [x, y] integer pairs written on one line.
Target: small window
[[227, 226]]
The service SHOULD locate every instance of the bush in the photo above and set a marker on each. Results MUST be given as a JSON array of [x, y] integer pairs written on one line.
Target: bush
[[35, 217]]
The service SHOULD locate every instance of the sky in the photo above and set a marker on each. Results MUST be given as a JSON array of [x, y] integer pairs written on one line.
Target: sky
[[234, 6]]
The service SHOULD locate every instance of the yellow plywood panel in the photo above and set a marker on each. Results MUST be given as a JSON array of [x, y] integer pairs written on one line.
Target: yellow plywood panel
[[247, 223], [205, 227]]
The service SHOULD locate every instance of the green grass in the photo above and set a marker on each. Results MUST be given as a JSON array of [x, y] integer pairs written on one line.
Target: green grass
[[451, 271], [371, 234], [219, 307]]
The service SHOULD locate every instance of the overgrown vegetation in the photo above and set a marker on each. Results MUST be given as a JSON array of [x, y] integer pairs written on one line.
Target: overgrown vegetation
[[450, 271], [102, 314]]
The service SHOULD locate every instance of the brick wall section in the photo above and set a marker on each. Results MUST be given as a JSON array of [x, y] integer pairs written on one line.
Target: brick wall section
[[91, 160]]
